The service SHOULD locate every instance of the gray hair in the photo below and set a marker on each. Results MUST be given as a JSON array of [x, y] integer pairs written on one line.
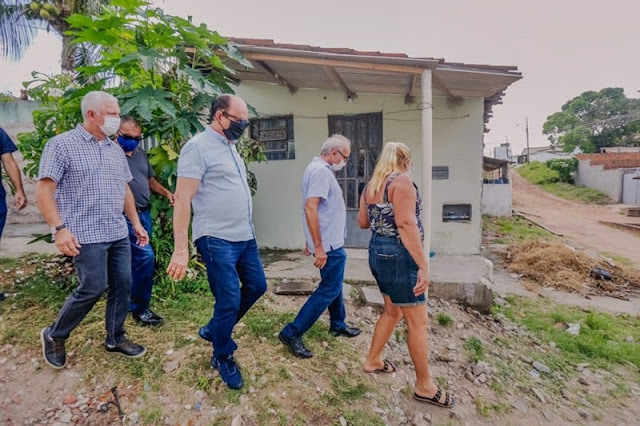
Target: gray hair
[[95, 101], [334, 141]]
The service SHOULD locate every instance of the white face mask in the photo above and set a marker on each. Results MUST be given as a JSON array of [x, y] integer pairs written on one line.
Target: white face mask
[[339, 166], [110, 126]]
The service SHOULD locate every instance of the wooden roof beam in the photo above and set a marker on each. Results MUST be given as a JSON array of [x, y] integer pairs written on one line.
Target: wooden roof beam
[[338, 82], [281, 81], [403, 69], [409, 98]]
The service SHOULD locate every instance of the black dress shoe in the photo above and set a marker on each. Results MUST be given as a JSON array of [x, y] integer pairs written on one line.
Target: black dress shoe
[[348, 332], [147, 317], [52, 350], [295, 345], [204, 334], [127, 348]]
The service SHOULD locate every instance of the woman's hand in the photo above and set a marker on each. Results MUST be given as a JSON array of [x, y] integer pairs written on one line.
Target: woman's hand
[[422, 284]]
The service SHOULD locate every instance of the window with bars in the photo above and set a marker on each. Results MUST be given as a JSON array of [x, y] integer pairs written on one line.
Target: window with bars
[[276, 134]]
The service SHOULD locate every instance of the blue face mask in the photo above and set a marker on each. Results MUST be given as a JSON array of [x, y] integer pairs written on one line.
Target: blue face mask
[[128, 144]]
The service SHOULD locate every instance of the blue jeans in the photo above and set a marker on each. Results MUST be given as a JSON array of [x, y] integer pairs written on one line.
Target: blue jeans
[[328, 295], [143, 264], [100, 267], [3, 210], [228, 264], [395, 270]]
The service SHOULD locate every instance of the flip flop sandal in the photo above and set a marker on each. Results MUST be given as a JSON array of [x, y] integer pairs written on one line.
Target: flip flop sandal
[[388, 367], [449, 401]]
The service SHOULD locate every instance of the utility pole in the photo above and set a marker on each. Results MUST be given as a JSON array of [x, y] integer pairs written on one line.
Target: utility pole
[[527, 130]]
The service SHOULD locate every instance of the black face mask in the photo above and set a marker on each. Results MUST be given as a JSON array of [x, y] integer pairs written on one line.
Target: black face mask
[[235, 130]]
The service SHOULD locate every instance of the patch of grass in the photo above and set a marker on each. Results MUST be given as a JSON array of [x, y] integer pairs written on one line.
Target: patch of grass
[[512, 230], [151, 416], [474, 346], [444, 319], [347, 390], [8, 263], [617, 259], [538, 173], [601, 341], [576, 193], [362, 418]]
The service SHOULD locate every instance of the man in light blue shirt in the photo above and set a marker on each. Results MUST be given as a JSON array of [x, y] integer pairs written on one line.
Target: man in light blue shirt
[[324, 221], [212, 177]]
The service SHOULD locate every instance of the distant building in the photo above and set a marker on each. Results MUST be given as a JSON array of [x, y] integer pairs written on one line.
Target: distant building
[[502, 152], [615, 174], [544, 154]]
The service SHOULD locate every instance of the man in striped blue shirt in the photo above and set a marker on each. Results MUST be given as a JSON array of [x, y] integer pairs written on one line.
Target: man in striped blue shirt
[[212, 176], [82, 191]]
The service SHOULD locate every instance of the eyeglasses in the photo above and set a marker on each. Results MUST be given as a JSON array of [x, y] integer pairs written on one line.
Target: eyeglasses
[[234, 119], [135, 138], [344, 157]]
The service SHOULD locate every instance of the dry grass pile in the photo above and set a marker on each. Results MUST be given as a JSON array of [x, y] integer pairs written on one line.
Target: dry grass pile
[[562, 267]]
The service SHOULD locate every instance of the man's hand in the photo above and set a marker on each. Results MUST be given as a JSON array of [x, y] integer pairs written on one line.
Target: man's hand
[[141, 234], [306, 251], [178, 265], [67, 243], [21, 200], [171, 198], [321, 258], [422, 284]]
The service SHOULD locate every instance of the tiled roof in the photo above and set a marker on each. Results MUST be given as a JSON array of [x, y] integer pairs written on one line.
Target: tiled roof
[[612, 160]]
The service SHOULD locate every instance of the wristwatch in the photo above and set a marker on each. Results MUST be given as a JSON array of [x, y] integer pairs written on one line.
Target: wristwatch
[[54, 230]]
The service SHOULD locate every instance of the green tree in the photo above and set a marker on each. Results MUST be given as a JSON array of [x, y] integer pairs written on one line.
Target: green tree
[[164, 70], [21, 19], [594, 120]]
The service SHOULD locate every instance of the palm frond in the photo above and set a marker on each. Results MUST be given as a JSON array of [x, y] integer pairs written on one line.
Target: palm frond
[[16, 33]]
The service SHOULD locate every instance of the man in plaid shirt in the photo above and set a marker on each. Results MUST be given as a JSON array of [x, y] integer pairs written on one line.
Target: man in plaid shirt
[[82, 191]]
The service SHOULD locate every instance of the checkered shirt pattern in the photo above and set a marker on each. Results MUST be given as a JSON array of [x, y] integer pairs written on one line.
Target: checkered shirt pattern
[[92, 177]]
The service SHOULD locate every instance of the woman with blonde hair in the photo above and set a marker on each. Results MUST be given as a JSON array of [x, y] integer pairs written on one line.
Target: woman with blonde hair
[[391, 206]]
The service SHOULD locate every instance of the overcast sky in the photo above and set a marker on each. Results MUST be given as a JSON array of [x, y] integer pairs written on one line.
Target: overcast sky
[[563, 47]]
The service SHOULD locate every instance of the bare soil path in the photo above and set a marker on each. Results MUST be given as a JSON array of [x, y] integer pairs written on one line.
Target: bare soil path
[[576, 221]]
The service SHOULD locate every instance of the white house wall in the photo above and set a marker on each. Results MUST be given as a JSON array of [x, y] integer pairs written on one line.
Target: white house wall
[[543, 157], [607, 181], [457, 136]]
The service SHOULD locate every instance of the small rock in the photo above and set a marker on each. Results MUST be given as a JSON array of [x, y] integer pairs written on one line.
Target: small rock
[[341, 367], [343, 421], [548, 415], [418, 420], [541, 367], [188, 407], [526, 359], [200, 394], [171, 366], [521, 406], [133, 418], [469, 376], [460, 325], [70, 399], [629, 339], [66, 416], [565, 402], [169, 352], [243, 399], [482, 378], [582, 366], [539, 395], [552, 345], [583, 381], [237, 421], [481, 367], [583, 413]]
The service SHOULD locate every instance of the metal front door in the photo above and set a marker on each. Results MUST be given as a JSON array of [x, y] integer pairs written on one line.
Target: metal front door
[[365, 133], [631, 189]]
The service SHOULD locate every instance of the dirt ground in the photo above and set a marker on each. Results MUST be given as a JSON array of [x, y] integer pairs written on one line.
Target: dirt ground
[[577, 221]]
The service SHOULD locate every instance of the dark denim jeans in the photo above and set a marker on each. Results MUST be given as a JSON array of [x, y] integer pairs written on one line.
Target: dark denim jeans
[[230, 263], [100, 267], [328, 295], [3, 210], [143, 264]]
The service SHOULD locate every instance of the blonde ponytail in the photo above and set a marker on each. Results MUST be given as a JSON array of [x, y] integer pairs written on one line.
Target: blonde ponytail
[[392, 159]]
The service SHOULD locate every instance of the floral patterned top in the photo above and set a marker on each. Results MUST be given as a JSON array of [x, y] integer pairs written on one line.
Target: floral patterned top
[[381, 217]]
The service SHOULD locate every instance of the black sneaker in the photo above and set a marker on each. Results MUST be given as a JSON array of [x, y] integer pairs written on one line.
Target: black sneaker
[[147, 317], [53, 350], [126, 348]]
